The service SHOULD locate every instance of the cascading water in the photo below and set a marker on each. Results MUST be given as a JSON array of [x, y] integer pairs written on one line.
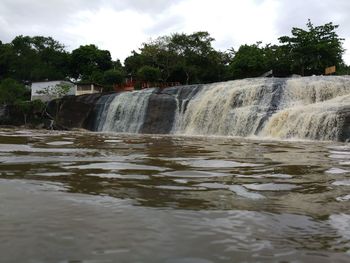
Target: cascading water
[[235, 108], [278, 108], [302, 108], [310, 109], [183, 97], [101, 111], [126, 112]]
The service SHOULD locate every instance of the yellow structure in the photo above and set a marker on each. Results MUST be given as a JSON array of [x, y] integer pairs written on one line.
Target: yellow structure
[[330, 70]]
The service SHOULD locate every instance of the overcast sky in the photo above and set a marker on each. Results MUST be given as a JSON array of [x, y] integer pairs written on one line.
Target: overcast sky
[[123, 25]]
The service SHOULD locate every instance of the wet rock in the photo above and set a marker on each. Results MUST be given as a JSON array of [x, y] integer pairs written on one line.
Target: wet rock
[[72, 111], [344, 135], [160, 114]]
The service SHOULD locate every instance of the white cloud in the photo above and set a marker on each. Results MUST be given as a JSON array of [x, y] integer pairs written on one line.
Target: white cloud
[[235, 21], [118, 32]]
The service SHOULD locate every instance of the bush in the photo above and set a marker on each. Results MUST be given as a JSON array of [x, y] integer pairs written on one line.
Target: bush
[[148, 73], [11, 91], [113, 76]]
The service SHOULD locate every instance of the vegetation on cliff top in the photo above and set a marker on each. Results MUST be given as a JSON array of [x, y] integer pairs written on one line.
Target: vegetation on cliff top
[[184, 58]]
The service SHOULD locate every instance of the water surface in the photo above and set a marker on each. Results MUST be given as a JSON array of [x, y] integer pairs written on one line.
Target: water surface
[[90, 197]]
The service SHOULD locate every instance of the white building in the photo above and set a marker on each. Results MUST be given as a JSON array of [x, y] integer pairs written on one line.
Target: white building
[[49, 90]]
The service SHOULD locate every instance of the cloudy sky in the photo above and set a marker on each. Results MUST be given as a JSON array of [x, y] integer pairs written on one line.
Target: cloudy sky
[[123, 25]]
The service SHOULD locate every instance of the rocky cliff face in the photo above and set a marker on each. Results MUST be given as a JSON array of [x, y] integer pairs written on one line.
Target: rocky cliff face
[[160, 114], [344, 135], [73, 111], [163, 107]]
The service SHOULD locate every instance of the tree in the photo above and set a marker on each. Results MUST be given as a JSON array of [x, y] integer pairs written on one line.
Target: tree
[[133, 63], [157, 54], [88, 60], [37, 58], [196, 56], [148, 73], [29, 109], [180, 57], [25, 108], [312, 50], [250, 61], [53, 57], [113, 76], [12, 91], [6, 60], [279, 58]]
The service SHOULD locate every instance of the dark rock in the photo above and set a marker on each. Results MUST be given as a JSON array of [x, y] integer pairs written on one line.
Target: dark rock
[[344, 134], [160, 114], [162, 107], [72, 111], [277, 92]]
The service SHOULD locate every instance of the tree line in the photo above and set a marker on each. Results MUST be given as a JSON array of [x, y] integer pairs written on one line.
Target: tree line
[[184, 58]]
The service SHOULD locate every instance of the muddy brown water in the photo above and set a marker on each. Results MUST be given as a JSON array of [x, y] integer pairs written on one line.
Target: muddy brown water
[[94, 197]]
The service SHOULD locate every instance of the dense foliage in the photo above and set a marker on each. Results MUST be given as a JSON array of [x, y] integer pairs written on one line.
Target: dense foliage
[[184, 58], [312, 50], [17, 97], [11, 91], [179, 57], [33, 58], [88, 63]]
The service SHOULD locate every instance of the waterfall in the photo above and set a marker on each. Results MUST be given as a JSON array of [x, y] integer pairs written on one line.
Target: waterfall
[[319, 121], [303, 108], [311, 109], [235, 108], [126, 112], [100, 111], [183, 96]]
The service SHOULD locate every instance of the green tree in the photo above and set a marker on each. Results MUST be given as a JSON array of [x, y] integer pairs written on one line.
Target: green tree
[[157, 54], [312, 50], [12, 91], [343, 69], [54, 60], [25, 108], [88, 60], [30, 109], [6, 60], [113, 76], [148, 73], [133, 63], [196, 56], [250, 61], [180, 57], [37, 58], [95, 77]]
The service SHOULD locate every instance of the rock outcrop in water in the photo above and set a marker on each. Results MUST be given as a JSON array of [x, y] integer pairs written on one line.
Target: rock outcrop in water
[[73, 111], [303, 108]]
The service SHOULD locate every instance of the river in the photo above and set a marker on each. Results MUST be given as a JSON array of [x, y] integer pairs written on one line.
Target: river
[[106, 197]]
